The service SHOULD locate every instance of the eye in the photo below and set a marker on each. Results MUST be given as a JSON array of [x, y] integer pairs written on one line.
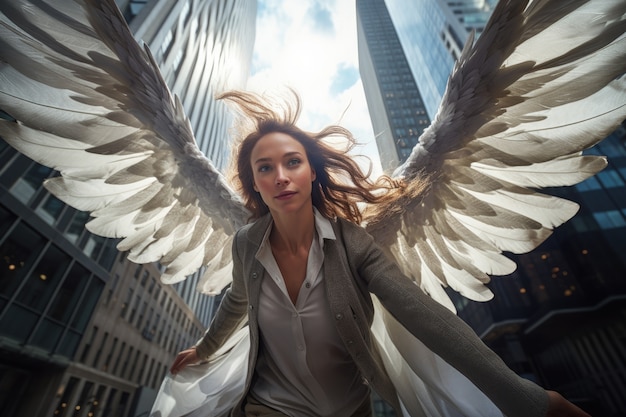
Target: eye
[[294, 162], [263, 168]]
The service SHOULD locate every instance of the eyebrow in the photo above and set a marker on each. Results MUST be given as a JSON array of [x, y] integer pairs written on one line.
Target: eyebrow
[[286, 155]]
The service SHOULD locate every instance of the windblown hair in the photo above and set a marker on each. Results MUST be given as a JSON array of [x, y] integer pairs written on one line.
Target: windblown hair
[[340, 184]]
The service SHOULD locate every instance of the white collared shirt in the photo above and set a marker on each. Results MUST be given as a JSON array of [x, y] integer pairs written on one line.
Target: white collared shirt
[[303, 368]]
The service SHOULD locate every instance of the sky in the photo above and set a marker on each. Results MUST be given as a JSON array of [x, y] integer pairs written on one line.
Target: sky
[[311, 46]]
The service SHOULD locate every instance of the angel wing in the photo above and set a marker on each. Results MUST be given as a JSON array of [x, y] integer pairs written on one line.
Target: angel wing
[[89, 102], [542, 83]]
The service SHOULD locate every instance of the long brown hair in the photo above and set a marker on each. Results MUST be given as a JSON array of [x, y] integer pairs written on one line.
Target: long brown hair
[[340, 184]]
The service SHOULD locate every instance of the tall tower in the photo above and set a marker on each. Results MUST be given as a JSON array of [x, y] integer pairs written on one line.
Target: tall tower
[[406, 52], [432, 34], [83, 331], [395, 105]]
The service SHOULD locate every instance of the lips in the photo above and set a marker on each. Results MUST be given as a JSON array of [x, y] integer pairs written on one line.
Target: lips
[[285, 195]]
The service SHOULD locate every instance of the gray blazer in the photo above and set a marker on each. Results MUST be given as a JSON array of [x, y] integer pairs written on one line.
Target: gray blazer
[[354, 267]]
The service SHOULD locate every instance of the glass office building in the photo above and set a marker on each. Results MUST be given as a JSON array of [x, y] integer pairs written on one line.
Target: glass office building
[[83, 332], [395, 104], [432, 34]]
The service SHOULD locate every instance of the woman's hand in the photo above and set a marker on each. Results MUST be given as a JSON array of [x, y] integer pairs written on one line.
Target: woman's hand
[[560, 407], [184, 358]]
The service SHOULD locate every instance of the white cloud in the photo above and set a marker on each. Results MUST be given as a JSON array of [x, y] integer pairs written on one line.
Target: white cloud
[[318, 58]]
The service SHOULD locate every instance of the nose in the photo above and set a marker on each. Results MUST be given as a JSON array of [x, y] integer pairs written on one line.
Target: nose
[[281, 178]]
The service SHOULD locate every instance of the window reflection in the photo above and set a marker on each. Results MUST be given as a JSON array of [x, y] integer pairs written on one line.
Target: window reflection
[[44, 279], [77, 226], [87, 305], [17, 254], [69, 294], [26, 186], [50, 209]]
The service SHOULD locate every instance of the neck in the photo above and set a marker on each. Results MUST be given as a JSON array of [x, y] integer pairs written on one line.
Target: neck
[[293, 232]]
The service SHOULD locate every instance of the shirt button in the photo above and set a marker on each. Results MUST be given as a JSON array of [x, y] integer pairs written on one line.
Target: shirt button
[[251, 307], [350, 342], [308, 285], [300, 347], [339, 316], [254, 275], [294, 315]]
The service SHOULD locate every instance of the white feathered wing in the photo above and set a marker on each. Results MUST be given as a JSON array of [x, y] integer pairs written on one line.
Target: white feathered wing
[[542, 83], [91, 103]]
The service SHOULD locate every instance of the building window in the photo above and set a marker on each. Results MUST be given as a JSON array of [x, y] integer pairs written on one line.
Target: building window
[[166, 46], [88, 301], [77, 226], [609, 219], [69, 294], [87, 348], [18, 253], [112, 288], [107, 362], [125, 368], [61, 309], [119, 358], [129, 299], [101, 346], [178, 60], [43, 279], [134, 310], [26, 186], [50, 209], [588, 185], [610, 179]]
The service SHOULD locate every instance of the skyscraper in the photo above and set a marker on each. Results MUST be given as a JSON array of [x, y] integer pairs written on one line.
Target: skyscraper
[[82, 331], [559, 319], [406, 52], [432, 34], [395, 105]]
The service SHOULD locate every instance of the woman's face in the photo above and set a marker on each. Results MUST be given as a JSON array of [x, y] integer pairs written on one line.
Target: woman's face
[[282, 173]]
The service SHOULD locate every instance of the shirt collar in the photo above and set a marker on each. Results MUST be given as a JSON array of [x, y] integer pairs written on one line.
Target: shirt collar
[[323, 228]]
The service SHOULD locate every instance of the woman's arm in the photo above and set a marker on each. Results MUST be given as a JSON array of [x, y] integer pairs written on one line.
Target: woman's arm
[[448, 336], [229, 317]]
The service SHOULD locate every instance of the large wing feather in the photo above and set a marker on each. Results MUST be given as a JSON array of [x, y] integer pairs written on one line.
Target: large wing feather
[[542, 83], [91, 103]]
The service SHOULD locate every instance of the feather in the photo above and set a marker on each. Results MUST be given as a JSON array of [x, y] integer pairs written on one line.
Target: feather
[[544, 82], [92, 104]]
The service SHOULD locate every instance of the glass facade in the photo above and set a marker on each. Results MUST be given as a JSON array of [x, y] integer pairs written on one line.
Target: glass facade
[[52, 273], [47, 292], [394, 101], [432, 34]]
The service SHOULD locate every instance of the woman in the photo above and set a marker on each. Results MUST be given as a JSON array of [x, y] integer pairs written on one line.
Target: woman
[[302, 277]]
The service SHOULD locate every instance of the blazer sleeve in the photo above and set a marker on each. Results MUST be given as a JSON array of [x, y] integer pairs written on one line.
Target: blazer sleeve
[[442, 331], [231, 313]]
